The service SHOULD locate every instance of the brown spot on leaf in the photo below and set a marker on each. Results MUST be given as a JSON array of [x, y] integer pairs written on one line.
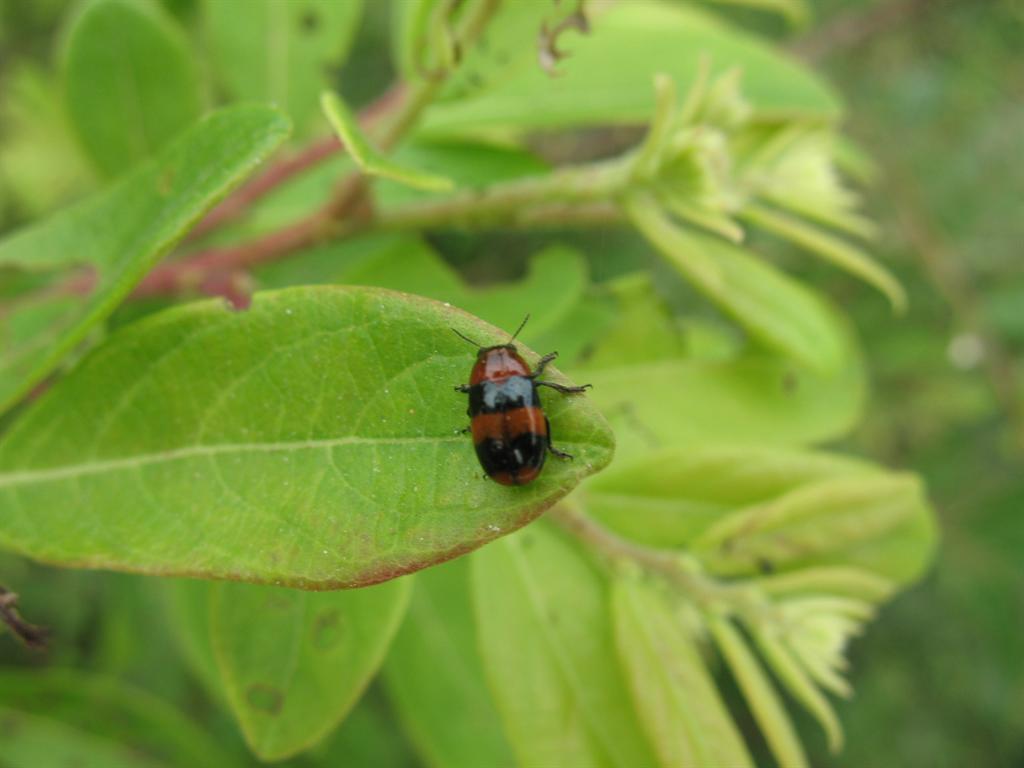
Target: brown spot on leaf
[[328, 630], [265, 698], [310, 21]]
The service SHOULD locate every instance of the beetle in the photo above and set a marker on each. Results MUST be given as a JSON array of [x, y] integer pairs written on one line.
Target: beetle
[[511, 433]]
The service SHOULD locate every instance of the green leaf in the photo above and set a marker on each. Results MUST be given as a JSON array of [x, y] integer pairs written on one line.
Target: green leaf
[[549, 654], [122, 232], [369, 160], [41, 164], [668, 498], [434, 669], [466, 163], [606, 77], [803, 689], [295, 663], [310, 441], [554, 284], [796, 12], [839, 252], [875, 521], [369, 737], [675, 695], [280, 51], [186, 604], [760, 695], [749, 401], [84, 707], [777, 310], [130, 82], [31, 740]]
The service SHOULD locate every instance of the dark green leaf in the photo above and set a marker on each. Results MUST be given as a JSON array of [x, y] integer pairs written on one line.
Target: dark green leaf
[[311, 441], [130, 81], [107, 711], [122, 232], [33, 740]]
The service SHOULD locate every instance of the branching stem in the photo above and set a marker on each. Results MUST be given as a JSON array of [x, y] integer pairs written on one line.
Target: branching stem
[[709, 594]]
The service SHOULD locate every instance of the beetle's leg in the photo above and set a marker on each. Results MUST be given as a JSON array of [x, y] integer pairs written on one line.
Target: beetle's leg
[[563, 388], [464, 431], [558, 453], [464, 388], [551, 448], [542, 364]]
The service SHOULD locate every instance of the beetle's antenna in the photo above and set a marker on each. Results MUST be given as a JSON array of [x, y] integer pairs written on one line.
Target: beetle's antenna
[[521, 326], [466, 338]]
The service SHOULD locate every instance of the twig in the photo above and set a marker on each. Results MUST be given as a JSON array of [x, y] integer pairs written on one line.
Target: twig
[[31, 635], [708, 593]]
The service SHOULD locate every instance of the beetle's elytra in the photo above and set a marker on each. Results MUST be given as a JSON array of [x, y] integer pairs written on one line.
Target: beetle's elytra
[[511, 434]]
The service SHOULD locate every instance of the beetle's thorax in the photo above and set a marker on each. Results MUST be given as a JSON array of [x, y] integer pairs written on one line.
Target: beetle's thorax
[[501, 362]]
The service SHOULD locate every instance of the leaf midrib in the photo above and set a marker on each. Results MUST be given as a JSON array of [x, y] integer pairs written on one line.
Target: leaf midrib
[[29, 477]]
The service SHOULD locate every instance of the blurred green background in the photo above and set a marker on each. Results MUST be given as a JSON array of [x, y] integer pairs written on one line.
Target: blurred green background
[[935, 94]]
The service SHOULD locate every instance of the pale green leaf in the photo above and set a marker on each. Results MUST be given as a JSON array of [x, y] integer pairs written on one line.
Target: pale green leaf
[[753, 400], [280, 51], [548, 648], [774, 308], [435, 677], [675, 695], [294, 663], [122, 232], [130, 81], [41, 163], [107, 710], [668, 498], [606, 77], [831, 579], [878, 521], [422, 41], [759, 694], [366, 156], [310, 441], [802, 688], [830, 248]]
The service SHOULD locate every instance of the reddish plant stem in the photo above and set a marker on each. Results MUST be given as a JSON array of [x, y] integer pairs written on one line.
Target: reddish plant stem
[[248, 194], [206, 270], [31, 635], [292, 165]]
